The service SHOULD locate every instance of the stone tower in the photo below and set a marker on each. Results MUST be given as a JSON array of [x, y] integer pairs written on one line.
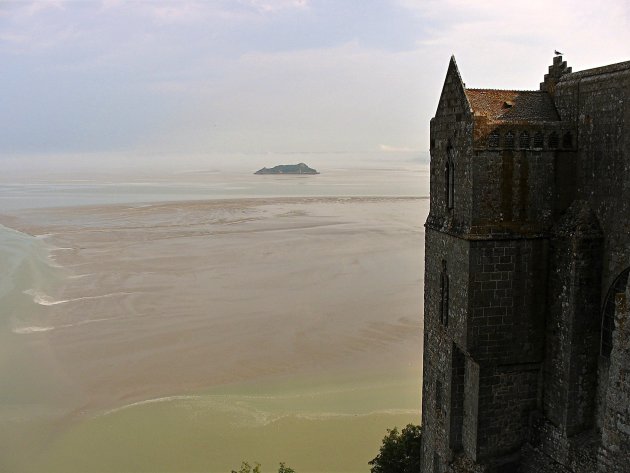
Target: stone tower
[[525, 240]]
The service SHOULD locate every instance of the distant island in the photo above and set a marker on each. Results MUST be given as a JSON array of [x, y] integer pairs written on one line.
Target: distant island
[[288, 169]]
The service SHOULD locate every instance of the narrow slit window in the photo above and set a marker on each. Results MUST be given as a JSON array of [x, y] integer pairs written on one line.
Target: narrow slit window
[[538, 140], [444, 295], [438, 396], [450, 178], [553, 140], [567, 140]]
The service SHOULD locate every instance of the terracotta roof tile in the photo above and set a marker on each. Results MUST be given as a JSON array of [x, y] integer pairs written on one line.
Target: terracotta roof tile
[[512, 105]]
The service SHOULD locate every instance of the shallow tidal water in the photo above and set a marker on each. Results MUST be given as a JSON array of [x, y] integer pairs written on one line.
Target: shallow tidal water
[[187, 329]]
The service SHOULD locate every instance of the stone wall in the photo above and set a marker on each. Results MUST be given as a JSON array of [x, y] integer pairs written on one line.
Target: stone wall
[[573, 323], [507, 279], [512, 192], [615, 450], [507, 395], [599, 103], [441, 407], [518, 373], [451, 131]]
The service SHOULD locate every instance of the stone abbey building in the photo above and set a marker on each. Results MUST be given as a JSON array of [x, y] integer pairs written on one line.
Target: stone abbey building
[[527, 303]]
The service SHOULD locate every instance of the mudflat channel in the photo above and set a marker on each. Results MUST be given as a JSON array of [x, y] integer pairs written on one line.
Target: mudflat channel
[[189, 336]]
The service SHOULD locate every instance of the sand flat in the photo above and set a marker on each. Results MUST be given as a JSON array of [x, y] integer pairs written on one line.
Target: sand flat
[[174, 299]]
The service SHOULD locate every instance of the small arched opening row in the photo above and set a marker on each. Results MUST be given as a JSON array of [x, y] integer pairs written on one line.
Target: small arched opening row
[[530, 140]]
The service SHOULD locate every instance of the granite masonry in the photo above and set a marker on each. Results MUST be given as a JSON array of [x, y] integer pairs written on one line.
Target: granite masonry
[[527, 302]]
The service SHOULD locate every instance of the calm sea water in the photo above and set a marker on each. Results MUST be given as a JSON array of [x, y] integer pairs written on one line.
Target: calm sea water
[[60, 191], [26, 269]]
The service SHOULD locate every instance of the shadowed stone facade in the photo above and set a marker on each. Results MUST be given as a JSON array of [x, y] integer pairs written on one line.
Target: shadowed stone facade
[[527, 301]]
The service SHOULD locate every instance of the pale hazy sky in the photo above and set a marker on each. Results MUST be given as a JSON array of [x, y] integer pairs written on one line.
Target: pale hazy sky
[[258, 76]]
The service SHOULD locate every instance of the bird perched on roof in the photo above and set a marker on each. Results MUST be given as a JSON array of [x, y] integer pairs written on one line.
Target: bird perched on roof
[[557, 53]]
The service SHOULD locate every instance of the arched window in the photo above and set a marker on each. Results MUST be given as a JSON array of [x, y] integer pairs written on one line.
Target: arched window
[[493, 139], [538, 140], [523, 140], [567, 140], [608, 313], [449, 172], [553, 141], [508, 140], [444, 283]]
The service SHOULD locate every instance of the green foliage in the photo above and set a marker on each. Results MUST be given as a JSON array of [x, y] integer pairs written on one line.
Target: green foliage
[[400, 451], [247, 468], [285, 469]]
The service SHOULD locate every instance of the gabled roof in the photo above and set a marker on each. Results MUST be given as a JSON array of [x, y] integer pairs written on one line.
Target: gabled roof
[[452, 83], [512, 105]]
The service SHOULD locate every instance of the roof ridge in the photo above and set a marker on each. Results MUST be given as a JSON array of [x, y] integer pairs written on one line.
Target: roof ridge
[[593, 71], [504, 90]]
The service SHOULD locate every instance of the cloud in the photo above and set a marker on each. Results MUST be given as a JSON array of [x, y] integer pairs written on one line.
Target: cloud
[[169, 12], [14, 38], [495, 38], [38, 26], [399, 149], [280, 75], [177, 12], [33, 8], [276, 5], [30, 8], [106, 4], [348, 98]]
